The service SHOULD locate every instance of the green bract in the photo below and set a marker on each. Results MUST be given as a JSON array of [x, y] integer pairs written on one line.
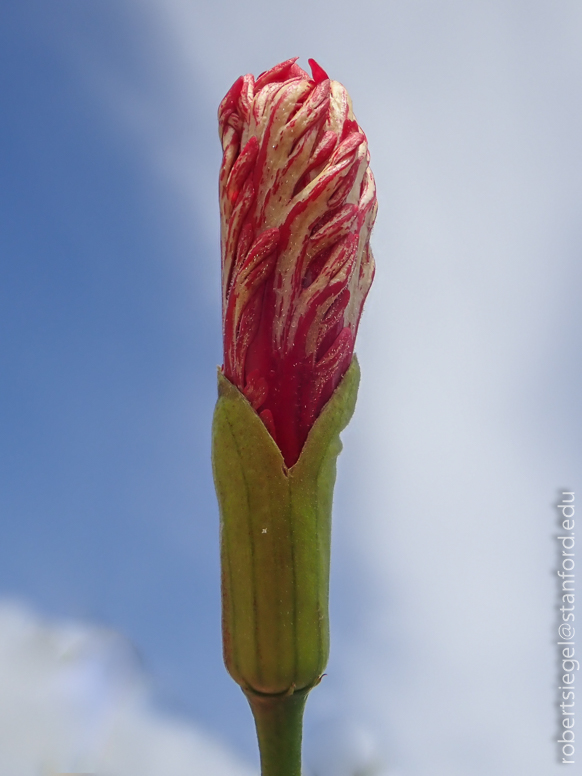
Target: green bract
[[275, 541]]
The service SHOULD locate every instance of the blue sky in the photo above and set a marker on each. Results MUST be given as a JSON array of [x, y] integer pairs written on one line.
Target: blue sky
[[109, 354], [468, 423]]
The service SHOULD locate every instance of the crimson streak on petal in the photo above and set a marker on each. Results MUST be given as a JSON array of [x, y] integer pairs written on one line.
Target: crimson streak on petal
[[297, 203]]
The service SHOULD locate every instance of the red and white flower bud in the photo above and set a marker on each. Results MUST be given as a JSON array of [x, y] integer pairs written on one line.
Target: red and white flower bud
[[297, 202]]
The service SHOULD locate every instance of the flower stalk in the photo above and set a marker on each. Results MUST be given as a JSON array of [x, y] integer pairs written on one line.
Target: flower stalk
[[297, 207], [279, 723]]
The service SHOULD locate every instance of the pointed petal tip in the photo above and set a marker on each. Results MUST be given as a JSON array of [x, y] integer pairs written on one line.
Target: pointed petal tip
[[281, 72], [318, 72]]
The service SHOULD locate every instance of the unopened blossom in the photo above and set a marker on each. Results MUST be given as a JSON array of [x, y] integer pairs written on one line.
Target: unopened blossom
[[298, 202]]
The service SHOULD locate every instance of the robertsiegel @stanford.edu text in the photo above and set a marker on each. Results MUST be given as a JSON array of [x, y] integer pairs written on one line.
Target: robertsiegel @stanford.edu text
[[566, 632]]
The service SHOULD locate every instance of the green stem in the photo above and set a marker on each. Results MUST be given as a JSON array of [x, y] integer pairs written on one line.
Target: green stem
[[279, 723]]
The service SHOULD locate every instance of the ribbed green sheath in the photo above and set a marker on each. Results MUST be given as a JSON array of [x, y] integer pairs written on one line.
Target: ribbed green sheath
[[275, 541]]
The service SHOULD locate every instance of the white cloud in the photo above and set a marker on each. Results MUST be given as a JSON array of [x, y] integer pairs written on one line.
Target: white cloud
[[73, 699]]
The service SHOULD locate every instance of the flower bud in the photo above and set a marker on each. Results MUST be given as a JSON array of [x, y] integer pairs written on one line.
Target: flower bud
[[297, 202]]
